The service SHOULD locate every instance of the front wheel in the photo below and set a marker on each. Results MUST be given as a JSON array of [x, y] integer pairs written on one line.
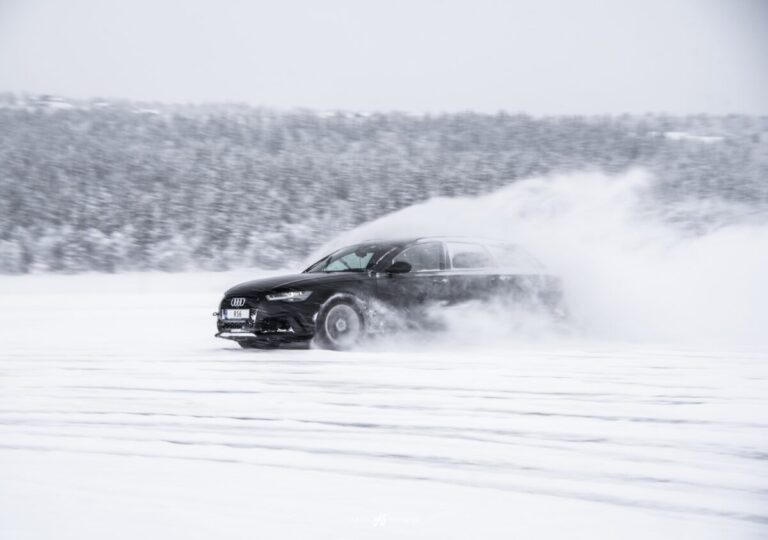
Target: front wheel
[[339, 326]]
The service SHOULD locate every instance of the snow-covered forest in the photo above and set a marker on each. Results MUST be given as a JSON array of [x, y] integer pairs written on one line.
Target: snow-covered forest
[[115, 185]]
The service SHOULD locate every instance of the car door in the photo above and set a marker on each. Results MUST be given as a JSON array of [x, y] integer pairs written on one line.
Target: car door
[[470, 271], [425, 284], [519, 277]]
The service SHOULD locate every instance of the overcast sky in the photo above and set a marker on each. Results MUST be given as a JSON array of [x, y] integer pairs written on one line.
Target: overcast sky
[[536, 56]]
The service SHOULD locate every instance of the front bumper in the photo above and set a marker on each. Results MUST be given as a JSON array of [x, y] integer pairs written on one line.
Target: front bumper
[[269, 321]]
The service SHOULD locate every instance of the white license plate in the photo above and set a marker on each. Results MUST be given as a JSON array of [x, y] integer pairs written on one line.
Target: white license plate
[[237, 313]]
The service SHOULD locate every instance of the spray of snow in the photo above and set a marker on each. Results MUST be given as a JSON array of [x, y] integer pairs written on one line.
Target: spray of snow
[[630, 273]]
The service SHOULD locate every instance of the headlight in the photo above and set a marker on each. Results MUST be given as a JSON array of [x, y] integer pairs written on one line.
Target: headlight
[[289, 296]]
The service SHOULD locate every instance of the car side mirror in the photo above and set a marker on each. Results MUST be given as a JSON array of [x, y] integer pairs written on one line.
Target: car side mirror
[[400, 267]]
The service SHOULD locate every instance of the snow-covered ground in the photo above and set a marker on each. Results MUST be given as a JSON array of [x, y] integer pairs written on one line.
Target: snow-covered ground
[[122, 417]]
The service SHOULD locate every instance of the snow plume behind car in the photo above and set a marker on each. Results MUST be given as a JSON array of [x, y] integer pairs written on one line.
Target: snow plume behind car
[[633, 267]]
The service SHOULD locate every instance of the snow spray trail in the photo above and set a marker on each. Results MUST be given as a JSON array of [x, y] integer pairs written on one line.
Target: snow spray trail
[[634, 268]]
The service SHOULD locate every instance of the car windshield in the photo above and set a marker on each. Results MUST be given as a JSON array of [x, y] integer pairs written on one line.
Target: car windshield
[[352, 259]]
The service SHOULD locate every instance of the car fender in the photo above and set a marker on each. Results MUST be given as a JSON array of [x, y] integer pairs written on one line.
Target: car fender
[[361, 305]]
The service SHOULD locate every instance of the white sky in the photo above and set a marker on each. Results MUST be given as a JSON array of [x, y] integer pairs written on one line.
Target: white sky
[[536, 56]]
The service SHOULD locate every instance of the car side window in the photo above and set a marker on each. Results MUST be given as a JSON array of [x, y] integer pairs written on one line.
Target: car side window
[[422, 257], [468, 256]]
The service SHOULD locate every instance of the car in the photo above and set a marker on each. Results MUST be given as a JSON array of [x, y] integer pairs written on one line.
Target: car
[[357, 290]]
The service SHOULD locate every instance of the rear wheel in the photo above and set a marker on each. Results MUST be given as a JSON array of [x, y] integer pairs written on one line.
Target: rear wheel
[[339, 326]]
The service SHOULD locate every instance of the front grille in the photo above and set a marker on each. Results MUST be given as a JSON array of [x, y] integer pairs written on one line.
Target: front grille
[[250, 302], [236, 324]]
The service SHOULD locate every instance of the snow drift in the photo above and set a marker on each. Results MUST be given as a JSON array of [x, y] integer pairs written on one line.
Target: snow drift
[[121, 416], [634, 267]]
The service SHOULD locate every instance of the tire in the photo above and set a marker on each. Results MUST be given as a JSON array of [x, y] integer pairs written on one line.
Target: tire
[[252, 344], [340, 326]]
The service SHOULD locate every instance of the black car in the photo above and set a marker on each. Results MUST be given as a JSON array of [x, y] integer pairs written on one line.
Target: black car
[[354, 291]]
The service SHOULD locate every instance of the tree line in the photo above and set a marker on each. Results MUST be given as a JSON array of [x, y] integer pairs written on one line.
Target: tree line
[[116, 185]]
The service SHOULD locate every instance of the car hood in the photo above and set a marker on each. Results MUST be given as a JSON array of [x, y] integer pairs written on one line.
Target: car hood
[[293, 281]]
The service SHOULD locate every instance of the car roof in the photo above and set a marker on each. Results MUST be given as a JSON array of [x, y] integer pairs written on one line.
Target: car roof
[[422, 239]]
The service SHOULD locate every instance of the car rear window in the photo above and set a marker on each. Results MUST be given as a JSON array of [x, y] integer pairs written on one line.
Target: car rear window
[[512, 257], [469, 256]]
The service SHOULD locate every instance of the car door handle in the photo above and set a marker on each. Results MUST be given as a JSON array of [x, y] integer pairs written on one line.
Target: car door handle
[[440, 280]]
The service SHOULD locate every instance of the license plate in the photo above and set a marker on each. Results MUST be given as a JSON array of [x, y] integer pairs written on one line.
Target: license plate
[[237, 313]]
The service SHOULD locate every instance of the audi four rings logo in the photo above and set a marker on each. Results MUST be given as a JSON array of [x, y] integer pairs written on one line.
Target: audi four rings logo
[[237, 302]]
